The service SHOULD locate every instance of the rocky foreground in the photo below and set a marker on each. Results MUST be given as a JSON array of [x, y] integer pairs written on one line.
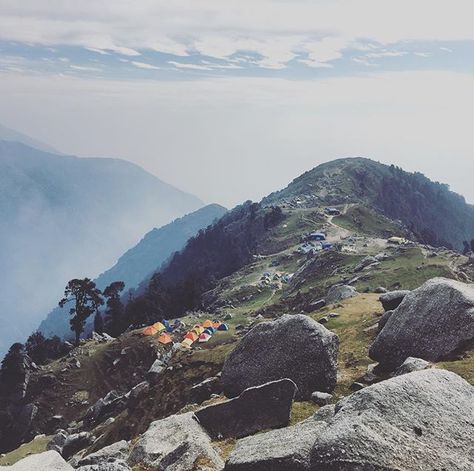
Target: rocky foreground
[[407, 413]]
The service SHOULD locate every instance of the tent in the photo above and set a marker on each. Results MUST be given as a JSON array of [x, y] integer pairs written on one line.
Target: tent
[[207, 323], [149, 330], [210, 330], [165, 339], [191, 336], [169, 328], [159, 326], [204, 337], [187, 343], [223, 327], [198, 329], [216, 324]]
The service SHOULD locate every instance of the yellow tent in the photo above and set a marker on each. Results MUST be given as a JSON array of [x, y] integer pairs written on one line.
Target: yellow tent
[[198, 329], [149, 330], [207, 323], [159, 326]]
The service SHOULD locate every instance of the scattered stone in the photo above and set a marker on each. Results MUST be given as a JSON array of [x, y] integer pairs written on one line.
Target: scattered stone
[[356, 386], [228, 317], [203, 391], [393, 299], [433, 321], [323, 320], [410, 365], [177, 443], [58, 441], [333, 315], [47, 461], [256, 409], [380, 290], [365, 263], [156, 369], [309, 357], [418, 421], [321, 398], [76, 442], [137, 393], [315, 305], [339, 293], [110, 405]]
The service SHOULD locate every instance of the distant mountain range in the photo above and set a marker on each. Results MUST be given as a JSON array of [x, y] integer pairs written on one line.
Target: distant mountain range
[[63, 217], [134, 267]]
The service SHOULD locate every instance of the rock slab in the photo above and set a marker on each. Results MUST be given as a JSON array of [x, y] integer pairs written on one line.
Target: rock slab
[[177, 443], [259, 408], [294, 347], [418, 421], [47, 461]]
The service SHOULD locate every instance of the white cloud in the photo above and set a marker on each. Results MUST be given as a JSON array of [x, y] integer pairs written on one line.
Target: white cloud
[[144, 65], [274, 29]]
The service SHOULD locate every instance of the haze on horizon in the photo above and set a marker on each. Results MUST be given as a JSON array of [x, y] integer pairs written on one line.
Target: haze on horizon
[[231, 103]]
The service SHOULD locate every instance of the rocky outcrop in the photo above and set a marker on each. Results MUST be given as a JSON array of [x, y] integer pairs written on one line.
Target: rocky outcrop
[[432, 322], [204, 390], [286, 449], [384, 319], [110, 405], [410, 365], [418, 421], [177, 443], [47, 461], [339, 293], [112, 466], [259, 408], [76, 442], [293, 346], [393, 299]]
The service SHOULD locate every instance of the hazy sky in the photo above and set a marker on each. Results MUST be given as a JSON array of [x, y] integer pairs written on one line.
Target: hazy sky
[[232, 99]]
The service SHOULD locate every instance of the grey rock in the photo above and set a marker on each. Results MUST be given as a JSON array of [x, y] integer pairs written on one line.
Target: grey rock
[[24, 419], [392, 299], [177, 443], [156, 370], [47, 461], [323, 320], [58, 441], [410, 365], [418, 421], [204, 390], [365, 263], [293, 346], [116, 452], [339, 293], [258, 408], [136, 393], [110, 405], [380, 290], [315, 305], [76, 442], [321, 398], [384, 319], [356, 386], [286, 449], [432, 322]]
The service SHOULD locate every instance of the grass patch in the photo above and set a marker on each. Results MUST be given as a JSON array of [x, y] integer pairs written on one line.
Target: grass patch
[[301, 411], [32, 448]]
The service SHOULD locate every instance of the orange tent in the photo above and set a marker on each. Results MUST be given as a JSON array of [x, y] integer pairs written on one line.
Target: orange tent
[[191, 336], [149, 330], [216, 324], [165, 339], [207, 323]]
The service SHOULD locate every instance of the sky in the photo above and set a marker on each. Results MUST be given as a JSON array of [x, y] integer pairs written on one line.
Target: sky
[[231, 100]]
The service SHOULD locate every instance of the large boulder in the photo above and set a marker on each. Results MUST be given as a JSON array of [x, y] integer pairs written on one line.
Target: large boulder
[[256, 409], [76, 442], [339, 293], [393, 299], [47, 461], [177, 443], [205, 389], [418, 421], [286, 449], [293, 346], [109, 466], [432, 322], [410, 365]]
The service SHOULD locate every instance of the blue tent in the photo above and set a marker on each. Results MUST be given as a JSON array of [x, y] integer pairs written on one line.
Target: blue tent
[[223, 327]]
